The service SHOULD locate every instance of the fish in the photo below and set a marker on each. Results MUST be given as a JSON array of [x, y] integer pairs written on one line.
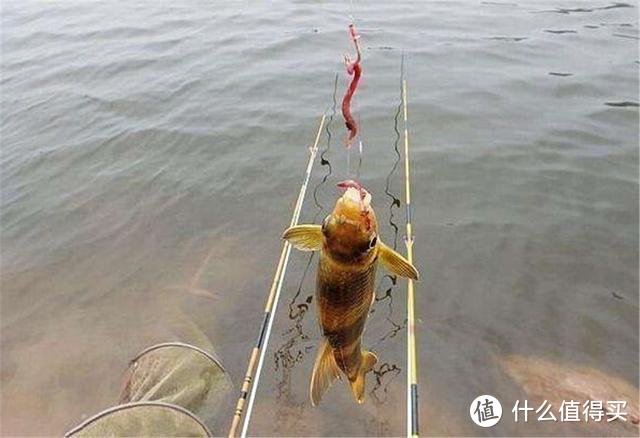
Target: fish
[[355, 69], [350, 250]]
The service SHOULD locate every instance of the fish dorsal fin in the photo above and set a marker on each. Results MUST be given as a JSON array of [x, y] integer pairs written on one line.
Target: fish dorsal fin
[[395, 263], [325, 372], [304, 237]]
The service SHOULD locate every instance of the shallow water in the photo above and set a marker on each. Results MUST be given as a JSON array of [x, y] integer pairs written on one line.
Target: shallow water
[[151, 155]]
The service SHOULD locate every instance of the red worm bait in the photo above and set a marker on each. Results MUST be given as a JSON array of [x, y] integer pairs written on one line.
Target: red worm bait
[[353, 68]]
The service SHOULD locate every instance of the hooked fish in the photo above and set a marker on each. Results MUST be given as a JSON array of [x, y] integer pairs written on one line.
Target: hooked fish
[[350, 250], [353, 68]]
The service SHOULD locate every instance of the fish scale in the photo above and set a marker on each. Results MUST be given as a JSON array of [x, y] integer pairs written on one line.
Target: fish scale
[[344, 297], [350, 250]]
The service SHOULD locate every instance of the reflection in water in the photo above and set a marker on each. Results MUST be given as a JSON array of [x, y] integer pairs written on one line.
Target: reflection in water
[[505, 38], [623, 104], [379, 391], [297, 344], [292, 352], [499, 4], [323, 159], [116, 184], [194, 285], [602, 8], [621, 35], [380, 396], [560, 31], [286, 357], [380, 48], [395, 201], [388, 296]]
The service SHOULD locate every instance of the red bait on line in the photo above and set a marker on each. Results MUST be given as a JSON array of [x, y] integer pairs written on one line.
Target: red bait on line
[[353, 68]]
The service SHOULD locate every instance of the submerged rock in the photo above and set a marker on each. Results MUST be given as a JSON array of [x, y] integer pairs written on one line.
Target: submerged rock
[[556, 382]]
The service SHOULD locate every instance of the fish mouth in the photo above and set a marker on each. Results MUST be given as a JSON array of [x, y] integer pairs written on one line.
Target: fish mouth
[[355, 194], [354, 206]]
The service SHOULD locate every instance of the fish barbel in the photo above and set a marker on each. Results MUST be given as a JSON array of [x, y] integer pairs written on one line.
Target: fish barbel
[[350, 249]]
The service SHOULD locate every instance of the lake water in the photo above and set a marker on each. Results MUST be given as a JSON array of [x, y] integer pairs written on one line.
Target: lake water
[[152, 153]]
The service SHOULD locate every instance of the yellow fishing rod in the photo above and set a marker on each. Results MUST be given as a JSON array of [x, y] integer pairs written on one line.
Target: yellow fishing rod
[[412, 360], [256, 359]]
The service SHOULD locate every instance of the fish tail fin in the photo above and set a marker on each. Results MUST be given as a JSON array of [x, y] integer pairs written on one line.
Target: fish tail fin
[[369, 359], [325, 372]]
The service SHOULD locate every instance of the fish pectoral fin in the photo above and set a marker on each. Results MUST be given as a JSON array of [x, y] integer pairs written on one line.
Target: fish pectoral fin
[[396, 263], [304, 237], [325, 372], [369, 360]]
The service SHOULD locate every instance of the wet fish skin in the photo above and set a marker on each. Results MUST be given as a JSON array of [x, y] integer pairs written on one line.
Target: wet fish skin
[[344, 295], [350, 250]]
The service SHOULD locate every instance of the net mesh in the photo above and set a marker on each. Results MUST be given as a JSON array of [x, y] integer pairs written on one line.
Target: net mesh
[[171, 389]]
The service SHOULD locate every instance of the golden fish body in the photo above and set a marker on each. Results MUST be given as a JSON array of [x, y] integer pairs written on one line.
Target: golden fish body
[[349, 253], [344, 295]]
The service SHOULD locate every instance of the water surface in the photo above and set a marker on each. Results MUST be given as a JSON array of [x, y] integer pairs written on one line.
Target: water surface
[[152, 153]]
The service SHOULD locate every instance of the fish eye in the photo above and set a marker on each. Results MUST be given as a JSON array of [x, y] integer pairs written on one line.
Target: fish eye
[[373, 241]]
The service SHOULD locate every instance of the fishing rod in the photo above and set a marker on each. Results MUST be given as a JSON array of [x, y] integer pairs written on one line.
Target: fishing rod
[[256, 359], [412, 361]]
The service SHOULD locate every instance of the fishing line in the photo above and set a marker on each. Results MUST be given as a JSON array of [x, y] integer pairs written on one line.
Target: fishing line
[[352, 15], [302, 307], [359, 159], [379, 374], [283, 356], [395, 202], [360, 145], [355, 38], [323, 160], [258, 352], [272, 304], [412, 359]]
